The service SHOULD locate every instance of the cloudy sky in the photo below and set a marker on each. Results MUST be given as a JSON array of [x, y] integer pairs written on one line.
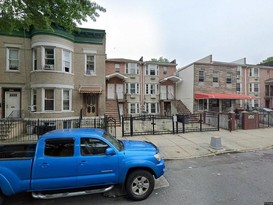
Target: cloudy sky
[[187, 30]]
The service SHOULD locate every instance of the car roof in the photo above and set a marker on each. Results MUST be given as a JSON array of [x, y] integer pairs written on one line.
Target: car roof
[[74, 132]]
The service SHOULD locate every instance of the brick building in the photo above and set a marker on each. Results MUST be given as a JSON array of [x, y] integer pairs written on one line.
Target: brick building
[[136, 86], [52, 74]]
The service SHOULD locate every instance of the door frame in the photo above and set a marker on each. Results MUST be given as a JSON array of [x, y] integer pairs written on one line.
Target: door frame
[[3, 104]]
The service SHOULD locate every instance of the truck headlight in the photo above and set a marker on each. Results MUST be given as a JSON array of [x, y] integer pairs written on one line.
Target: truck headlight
[[158, 157]]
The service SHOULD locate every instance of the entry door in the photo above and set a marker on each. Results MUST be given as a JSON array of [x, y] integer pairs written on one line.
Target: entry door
[[163, 95], [170, 92], [120, 91], [110, 91], [91, 105], [12, 103]]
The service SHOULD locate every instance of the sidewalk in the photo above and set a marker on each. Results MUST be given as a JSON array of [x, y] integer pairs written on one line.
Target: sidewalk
[[197, 144]]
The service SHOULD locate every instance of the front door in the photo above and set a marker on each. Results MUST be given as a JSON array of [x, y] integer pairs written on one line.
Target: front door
[[91, 105], [120, 91], [12, 104], [163, 92], [170, 92], [111, 91], [120, 105]]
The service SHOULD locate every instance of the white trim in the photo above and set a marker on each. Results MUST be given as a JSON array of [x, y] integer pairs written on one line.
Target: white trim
[[70, 100], [52, 86], [11, 45], [89, 51], [52, 44], [63, 61], [43, 101]]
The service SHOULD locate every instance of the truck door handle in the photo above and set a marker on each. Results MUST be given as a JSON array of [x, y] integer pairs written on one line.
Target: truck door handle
[[44, 165], [83, 163]]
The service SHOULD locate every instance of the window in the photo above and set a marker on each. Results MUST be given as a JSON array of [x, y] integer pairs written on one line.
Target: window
[[254, 72], [34, 54], [133, 108], [238, 71], [229, 78], [165, 70], [201, 76], [151, 88], [66, 100], [202, 104], [67, 61], [133, 88], [151, 108], [49, 99], [49, 59], [151, 69], [215, 77], [117, 68], [132, 68], [13, 59], [253, 87], [67, 124], [256, 87], [238, 87], [91, 146], [90, 65], [59, 147], [33, 100]]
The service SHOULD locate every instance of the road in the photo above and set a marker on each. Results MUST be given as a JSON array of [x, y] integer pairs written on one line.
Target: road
[[239, 178]]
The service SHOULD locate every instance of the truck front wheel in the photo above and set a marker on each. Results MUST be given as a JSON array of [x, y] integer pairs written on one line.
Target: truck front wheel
[[139, 185]]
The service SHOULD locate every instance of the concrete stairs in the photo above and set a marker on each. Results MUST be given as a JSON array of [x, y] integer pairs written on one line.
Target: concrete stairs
[[112, 110], [181, 107]]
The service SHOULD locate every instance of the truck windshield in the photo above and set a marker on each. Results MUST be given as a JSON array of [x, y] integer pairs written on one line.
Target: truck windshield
[[118, 144]]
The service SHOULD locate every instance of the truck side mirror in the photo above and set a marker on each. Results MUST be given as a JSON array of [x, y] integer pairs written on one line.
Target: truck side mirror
[[110, 151]]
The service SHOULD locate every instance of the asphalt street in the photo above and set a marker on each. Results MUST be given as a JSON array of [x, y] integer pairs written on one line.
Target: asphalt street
[[232, 178]]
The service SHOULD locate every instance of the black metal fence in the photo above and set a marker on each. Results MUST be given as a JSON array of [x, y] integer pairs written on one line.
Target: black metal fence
[[153, 124], [265, 119], [20, 130]]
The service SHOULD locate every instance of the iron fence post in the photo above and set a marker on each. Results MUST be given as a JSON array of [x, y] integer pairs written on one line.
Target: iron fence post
[[122, 125], [200, 119], [218, 123], [183, 124], [131, 125]]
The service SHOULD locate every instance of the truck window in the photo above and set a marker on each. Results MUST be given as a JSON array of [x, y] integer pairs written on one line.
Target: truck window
[[59, 147], [90, 146]]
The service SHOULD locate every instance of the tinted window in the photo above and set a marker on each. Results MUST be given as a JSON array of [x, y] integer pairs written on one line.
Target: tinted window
[[59, 147], [90, 146]]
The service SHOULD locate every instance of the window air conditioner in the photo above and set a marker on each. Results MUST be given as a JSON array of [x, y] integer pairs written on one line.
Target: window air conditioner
[[48, 67]]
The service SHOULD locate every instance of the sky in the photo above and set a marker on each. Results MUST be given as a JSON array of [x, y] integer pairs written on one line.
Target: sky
[[187, 30]]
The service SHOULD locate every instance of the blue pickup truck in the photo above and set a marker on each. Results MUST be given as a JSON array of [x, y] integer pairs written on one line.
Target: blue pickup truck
[[79, 161]]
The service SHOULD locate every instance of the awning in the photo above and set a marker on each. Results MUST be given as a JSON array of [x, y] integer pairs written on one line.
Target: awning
[[118, 75], [230, 96], [90, 89], [172, 78]]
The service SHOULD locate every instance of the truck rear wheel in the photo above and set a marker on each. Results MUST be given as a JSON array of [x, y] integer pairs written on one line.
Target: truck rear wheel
[[139, 185]]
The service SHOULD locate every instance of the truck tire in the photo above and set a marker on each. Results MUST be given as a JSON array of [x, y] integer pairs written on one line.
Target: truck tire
[[139, 185]]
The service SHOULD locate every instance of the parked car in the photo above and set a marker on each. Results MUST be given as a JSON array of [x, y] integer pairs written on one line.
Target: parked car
[[79, 161]]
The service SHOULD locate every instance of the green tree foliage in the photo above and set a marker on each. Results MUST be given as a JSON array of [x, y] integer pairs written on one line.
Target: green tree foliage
[[269, 59], [41, 14], [161, 60]]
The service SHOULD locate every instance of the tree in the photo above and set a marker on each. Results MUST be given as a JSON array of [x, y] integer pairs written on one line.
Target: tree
[[41, 14], [269, 59], [160, 60]]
